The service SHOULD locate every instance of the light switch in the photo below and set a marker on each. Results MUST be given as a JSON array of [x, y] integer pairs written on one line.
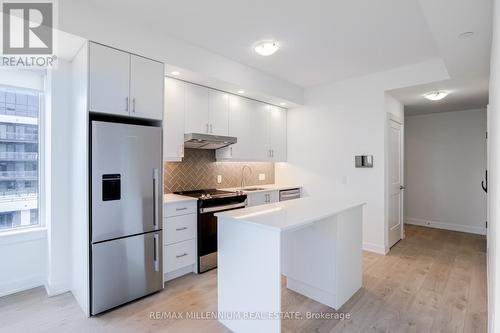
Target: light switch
[[219, 179], [262, 176]]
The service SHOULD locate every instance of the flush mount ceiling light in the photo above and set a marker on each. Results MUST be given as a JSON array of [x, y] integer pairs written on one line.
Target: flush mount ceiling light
[[176, 73], [241, 91], [283, 104], [436, 95], [467, 34], [266, 48]]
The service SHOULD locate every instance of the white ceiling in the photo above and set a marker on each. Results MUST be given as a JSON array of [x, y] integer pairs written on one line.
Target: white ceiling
[[467, 60], [320, 40], [323, 41]]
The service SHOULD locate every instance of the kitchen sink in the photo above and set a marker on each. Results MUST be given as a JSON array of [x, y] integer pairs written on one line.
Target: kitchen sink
[[253, 188]]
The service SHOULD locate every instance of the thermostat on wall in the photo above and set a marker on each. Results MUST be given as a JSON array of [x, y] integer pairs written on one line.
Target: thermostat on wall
[[364, 161]]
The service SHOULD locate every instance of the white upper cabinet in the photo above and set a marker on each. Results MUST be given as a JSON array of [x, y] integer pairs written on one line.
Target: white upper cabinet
[[276, 134], [109, 80], [260, 129], [196, 109], [218, 112], [124, 84], [240, 125], [146, 88], [173, 120]]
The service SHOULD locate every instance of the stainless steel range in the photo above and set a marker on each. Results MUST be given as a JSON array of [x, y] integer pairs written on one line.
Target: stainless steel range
[[209, 202]]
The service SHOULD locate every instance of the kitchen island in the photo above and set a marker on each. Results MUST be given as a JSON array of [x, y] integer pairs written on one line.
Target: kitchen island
[[316, 243]]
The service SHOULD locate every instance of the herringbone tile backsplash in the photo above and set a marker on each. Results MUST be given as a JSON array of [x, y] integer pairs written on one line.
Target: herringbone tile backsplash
[[199, 170]]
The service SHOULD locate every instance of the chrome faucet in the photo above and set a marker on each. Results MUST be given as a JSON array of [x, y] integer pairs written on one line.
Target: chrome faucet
[[243, 174]]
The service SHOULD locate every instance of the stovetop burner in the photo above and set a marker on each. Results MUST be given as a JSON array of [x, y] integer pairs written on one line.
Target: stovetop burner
[[208, 193]]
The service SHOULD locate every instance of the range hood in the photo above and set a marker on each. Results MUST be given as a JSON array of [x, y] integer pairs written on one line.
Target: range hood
[[207, 141]]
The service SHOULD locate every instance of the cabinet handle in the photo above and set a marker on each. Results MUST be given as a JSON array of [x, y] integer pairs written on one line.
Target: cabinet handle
[[126, 104], [272, 152], [180, 229], [181, 255], [231, 151], [133, 104], [207, 128], [182, 208], [211, 128], [156, 263]]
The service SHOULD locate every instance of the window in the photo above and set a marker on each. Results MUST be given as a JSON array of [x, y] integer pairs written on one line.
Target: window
[[19, 157]]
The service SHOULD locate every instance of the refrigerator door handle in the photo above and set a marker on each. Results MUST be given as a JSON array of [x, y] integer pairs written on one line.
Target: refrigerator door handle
[[156, 263], [155, 198]]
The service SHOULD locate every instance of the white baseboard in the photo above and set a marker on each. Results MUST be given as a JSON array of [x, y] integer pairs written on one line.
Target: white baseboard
[[56, 289], [179, 272], [375, 248], [11, 287], [446, 226]]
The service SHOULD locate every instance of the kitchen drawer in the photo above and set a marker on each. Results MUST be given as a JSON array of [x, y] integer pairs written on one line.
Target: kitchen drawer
[[180, 208], [179, 228], [178, 255]]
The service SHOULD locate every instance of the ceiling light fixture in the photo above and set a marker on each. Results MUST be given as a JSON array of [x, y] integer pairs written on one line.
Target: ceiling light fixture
[[283, 104], [241, 91], [436, 95], [467, 34], [176, 73], [266, 48]]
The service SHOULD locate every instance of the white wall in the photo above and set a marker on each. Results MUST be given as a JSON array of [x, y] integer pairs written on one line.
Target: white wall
[[494, 182], [57, 180], [341, 120], [445, 163]]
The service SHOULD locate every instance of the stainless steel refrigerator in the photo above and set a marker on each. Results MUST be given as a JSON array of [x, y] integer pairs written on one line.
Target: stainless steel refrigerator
[[126, 207]]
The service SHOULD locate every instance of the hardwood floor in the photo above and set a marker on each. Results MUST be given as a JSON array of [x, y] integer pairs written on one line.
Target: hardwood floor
[[433, 281]]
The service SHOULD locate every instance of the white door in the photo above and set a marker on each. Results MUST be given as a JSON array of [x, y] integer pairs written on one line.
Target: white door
[[277, 134], [395, 179], [146, 88], [196, 109], [109, 76], [173, 124], [218, 112]]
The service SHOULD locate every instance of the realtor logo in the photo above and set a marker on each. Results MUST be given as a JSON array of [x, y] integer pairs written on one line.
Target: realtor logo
[[27, 28]]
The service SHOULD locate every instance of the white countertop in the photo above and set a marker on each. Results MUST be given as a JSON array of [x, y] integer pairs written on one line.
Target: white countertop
[[171, 198], [265, 188], [292, 214]]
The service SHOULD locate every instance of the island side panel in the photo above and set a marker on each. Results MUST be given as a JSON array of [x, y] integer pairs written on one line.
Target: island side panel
[[350, 254], [248, 275], [309, 260]]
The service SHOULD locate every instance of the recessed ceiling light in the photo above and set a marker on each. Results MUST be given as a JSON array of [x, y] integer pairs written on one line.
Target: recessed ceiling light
[[467, 34], [283, 104], [176, 73], [241, 91], [266, 48], [436, 95]]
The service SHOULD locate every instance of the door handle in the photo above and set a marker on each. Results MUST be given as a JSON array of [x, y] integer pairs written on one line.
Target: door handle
[[484, 183], [126, 104], [156, 262], [133, 104], [401, 187], [155, 198], [180, 229]]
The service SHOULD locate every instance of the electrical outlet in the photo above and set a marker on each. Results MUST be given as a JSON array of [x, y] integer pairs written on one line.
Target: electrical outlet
[[219, 179], [262, 176]]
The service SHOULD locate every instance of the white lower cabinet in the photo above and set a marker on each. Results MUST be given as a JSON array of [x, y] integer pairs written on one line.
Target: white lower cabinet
[[262, 198], [179, 255], [179, 239]]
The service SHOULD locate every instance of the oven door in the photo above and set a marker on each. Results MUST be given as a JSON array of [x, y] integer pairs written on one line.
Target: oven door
[[207, 234]]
